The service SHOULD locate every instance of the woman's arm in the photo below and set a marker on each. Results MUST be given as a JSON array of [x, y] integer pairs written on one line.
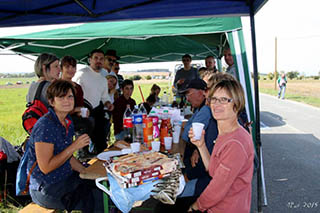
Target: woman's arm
[[48, 162], [76, 165], [201, 145]]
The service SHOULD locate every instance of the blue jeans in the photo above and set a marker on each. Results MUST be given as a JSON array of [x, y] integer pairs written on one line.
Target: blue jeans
[[120, 136], [51, 196], [189, 188], [282, 91]]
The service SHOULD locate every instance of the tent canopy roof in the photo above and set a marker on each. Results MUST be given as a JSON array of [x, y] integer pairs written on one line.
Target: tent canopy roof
[[135, 41], [39, 12]]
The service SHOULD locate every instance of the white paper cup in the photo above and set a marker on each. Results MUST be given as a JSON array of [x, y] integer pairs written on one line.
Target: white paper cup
[[155, 146], [84, 112], [197, 130], [176, 134], [167, 143], [135, 147]]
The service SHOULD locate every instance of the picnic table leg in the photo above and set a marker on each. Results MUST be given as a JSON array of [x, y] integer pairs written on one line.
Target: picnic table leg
[[105, 198]]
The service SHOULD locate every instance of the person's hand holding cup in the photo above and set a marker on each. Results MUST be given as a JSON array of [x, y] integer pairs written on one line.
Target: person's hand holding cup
[[197, 130]]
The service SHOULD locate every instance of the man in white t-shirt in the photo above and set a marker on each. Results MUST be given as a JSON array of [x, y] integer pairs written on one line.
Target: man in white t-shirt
[[95, 91]]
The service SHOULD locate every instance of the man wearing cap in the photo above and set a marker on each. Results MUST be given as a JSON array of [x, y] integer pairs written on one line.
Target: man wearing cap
[[95, 91], [195, 170]]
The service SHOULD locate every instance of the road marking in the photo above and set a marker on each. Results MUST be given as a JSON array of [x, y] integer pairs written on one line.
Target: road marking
[[263, 126]]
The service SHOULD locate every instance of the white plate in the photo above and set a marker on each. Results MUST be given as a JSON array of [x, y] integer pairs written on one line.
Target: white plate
[[106, 155]]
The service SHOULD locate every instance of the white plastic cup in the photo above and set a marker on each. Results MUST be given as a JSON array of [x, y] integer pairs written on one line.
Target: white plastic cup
[[155, 146], [176, 134], [167, 143], [197, 130], [84, 112], [135, 147]]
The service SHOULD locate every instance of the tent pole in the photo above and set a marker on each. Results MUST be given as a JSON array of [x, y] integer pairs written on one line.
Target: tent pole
[[257, 104]]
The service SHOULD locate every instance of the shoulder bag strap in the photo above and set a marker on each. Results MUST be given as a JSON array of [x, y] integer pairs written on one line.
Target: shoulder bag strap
[[28, 178], [39, 90]]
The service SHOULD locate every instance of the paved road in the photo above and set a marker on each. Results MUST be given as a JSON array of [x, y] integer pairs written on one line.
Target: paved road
[[291, 154]]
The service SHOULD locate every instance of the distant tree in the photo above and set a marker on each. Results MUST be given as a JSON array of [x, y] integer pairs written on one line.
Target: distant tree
[[136, 77], [148, 77], [293, 74], [270, 75], [316, 77]]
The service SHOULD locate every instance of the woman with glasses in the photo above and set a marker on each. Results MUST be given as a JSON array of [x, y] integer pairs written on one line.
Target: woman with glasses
[[231, 162]]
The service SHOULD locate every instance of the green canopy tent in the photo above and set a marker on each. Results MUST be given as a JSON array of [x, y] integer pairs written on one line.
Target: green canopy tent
[[135, 41], [142, 41]]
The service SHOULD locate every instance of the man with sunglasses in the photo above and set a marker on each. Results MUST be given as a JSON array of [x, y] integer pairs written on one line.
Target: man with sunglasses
[[185, 74], [110, 59], [195, 170]]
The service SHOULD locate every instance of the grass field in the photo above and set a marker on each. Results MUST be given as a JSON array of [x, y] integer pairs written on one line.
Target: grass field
[[12, 105], [4, 81], [306, 91], [12, 100]]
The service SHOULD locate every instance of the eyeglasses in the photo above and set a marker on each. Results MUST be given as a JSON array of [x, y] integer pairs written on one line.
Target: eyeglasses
[[222, 100], [189, 93], [111, 60], [116, 68], [186, 60]]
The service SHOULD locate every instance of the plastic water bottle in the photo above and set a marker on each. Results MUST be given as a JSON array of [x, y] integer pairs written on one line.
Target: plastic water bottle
[[164, 99], [143, 111], [137, 125], [127, 125], [174, 102]]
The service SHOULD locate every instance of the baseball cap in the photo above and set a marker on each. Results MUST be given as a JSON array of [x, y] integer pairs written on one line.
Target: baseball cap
[[195, 84]]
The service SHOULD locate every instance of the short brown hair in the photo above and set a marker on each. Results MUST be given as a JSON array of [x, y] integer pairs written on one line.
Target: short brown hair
[[154, 88], [68, 60], [59, 88], [186, 56], [214, 78], [234, 90]]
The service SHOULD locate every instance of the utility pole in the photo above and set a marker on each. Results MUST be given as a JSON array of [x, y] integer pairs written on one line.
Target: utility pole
[[275, 63]]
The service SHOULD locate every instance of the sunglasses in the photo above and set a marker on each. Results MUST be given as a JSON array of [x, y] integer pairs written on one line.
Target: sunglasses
[[111, 60]]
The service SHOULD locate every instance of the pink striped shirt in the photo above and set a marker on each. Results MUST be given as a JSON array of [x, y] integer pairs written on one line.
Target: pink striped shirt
[[231, 169]]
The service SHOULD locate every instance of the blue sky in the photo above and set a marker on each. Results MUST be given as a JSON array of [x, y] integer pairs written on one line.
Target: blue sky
[[294, 22]]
